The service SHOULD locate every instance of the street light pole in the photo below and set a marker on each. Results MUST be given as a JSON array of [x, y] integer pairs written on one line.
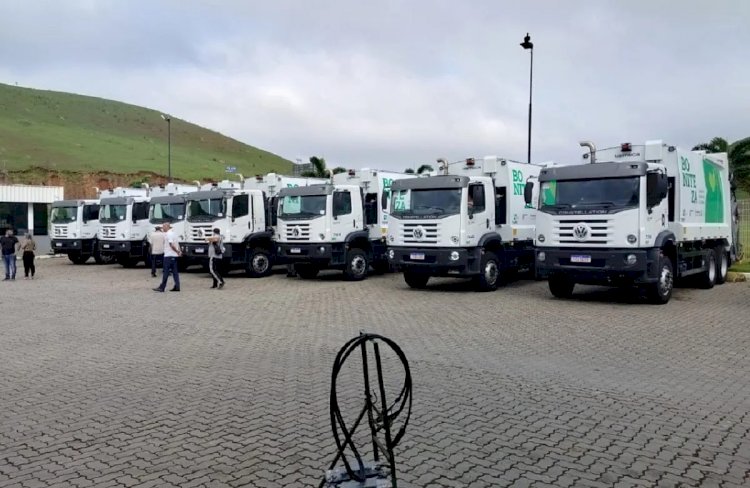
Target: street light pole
[[527, 44], [169, 146]]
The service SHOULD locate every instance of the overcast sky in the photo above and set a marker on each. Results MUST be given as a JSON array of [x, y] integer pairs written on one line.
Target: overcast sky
[[396, 83]]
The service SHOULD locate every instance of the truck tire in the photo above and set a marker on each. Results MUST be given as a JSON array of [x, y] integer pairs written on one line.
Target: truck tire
[[356, 265], [77, 258], [259, 263], [415, 279], [707, 279], [306, 271], [660, 292], [722, 265], [489, 273], [561, 287]]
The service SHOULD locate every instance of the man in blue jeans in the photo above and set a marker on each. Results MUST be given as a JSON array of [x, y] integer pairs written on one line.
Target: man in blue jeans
[[9, 245], [171, 253]]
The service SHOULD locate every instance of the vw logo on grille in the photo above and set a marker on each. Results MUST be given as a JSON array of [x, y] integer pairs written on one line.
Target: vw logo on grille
[[581, 231], [295, 231], [418, 233]]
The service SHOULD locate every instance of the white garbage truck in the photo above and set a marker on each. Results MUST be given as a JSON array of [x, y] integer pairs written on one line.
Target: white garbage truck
[[337, 225], [241, 211], [635, 215], [124, 225], [169, 206], [471, 221], [74, 230]]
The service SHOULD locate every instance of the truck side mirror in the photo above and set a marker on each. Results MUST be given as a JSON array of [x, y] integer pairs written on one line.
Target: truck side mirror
[[657, 188], [528, 191]]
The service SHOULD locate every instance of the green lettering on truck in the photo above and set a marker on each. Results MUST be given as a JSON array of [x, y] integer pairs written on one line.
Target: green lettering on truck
[[714, 192]]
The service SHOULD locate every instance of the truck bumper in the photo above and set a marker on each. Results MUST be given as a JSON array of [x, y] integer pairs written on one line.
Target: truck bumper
[[129, 248], [606, 267], [65, 246], [194, 251], [437, 261], [324, 255]]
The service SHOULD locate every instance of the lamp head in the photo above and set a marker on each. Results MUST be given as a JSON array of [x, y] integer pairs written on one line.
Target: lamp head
[[527, 44]]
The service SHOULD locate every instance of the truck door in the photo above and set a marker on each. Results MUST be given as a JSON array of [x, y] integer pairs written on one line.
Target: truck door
[[479, 221]]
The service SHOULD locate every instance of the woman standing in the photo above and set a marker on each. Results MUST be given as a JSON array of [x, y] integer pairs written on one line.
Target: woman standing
[[28, 246]]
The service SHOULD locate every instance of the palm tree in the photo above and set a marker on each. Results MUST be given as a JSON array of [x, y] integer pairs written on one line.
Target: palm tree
[[425, 168], [319, 169], [739, 158]]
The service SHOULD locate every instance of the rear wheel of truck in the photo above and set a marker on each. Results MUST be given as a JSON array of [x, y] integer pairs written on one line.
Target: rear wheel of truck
[[258, 263], [356, 265], [306, 271], [415, 279], [560, 286], [722, 265], [660, 292], [77, 258], [489, 273], [707, 279]]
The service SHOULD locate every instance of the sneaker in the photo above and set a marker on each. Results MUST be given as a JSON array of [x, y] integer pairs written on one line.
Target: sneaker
[[221, 285], [153, 275], [175, 289], [159, 290]]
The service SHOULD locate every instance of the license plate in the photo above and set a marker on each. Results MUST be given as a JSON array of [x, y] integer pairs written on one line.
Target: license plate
[[417, 256], [105, 246], [577, 258], [295, 250], [199, 250], [58, 244]]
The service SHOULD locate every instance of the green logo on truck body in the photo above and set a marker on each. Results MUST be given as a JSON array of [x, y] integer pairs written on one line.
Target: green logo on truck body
[[518, 183], [714, 192]]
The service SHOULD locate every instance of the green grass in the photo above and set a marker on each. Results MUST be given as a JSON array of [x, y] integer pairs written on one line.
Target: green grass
[[741, 267], [67, 132]]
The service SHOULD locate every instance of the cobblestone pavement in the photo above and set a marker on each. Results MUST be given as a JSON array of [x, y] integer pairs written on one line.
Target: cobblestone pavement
[[105, 383]]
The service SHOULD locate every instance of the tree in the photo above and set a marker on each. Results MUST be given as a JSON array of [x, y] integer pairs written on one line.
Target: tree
[[319, 169], [338, 169], [425, 168], [409, 171], [738, 153]]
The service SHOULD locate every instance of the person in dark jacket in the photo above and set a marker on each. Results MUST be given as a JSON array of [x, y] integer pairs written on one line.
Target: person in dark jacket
[[9, 246], [28, 246]]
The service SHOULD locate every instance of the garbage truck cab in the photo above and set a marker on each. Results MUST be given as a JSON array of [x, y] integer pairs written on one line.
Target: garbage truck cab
[[124, 225], [74, 230]]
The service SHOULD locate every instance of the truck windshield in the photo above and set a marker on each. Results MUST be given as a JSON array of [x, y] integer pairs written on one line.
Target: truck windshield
[[63, 215], [302, 207], [166, 212], [603, 193], [112, 213], [206, 210], [426, 203]]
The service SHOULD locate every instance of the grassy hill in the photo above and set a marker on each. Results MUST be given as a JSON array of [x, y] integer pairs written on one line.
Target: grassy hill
[[63, 132]]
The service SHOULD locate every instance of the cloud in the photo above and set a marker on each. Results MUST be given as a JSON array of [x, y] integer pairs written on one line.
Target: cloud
[[388, 84]]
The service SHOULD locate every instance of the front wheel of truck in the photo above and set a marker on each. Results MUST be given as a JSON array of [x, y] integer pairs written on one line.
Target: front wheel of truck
[[356, 265], [660, 292], [416, 279], [560, 286], [259, 263], [489, 273]]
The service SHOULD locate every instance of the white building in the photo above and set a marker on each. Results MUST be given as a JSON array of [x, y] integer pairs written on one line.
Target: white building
[[26, 208]]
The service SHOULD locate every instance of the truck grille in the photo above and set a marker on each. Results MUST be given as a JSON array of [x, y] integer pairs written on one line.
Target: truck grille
[[297, 232], [424, 233], [198, 233], [60, 231], [109, 232], [597, 231]]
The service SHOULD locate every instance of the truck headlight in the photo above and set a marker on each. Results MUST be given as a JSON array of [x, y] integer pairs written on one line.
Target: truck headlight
[[321, 249], [540, 256], [632, 239], [631, 259], [455, 255], [391, 254], [540, 238]]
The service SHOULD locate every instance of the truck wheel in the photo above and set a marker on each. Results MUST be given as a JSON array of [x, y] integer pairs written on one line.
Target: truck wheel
[[77, 258], [415, 279], [259, 263], [356, 265], [707, 279], [489, 273], [560, 286], [722, 265], [660, 292], [306, 271]]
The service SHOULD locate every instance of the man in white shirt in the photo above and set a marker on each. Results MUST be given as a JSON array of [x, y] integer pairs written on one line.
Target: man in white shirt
[[171, 253], [156, 247]]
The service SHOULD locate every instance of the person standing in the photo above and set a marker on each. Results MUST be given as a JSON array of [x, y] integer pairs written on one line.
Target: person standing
[[171, 253], [215, 254], [28, 246], [9, 246], [156, 247]]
